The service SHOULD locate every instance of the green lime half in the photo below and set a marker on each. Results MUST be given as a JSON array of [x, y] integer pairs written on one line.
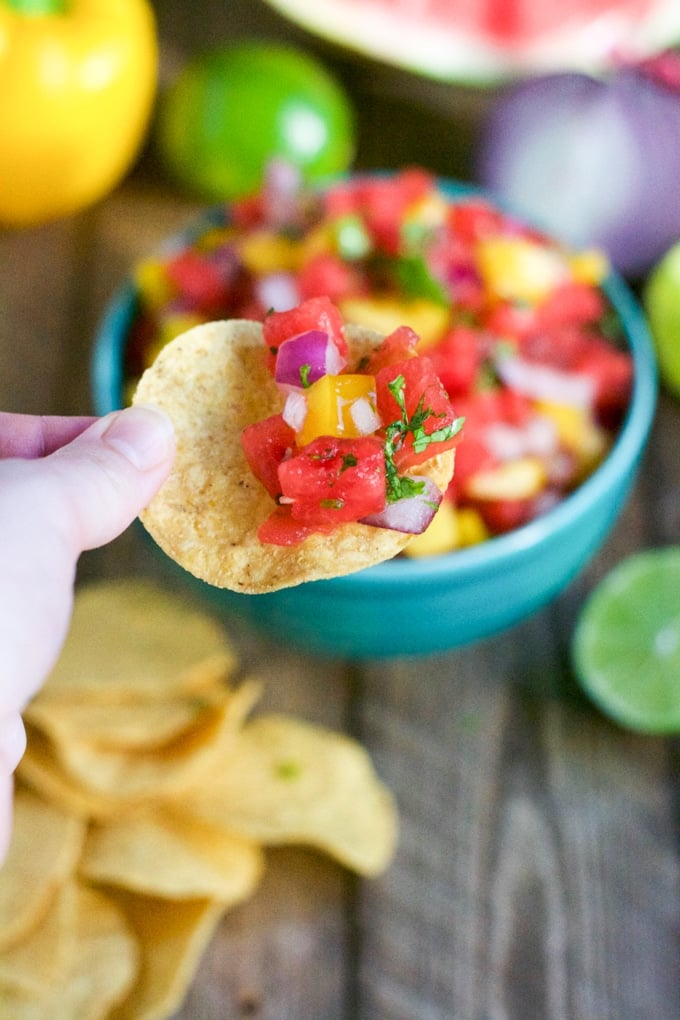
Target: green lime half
[[626, 646], [661, 298]]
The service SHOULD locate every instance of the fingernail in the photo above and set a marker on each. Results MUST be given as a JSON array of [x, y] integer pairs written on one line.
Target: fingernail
[[142, 434], [12, 742]]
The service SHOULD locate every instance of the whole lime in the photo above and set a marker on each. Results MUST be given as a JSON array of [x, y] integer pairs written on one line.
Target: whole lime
[[234, 109], [661, 299]]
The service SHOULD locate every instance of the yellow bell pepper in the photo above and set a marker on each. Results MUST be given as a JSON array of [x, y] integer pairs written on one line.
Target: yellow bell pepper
[[78, 81], [330, 405]]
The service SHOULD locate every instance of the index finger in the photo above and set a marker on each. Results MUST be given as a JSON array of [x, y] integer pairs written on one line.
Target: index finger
[[32, 436]]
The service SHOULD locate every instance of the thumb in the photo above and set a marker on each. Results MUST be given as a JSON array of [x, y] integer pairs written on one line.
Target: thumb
[[52, 509], [109, 473]]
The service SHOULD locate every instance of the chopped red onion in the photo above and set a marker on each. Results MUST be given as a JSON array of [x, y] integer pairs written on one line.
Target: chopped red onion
[[365, 416], [278, 291], [542, 382], [594, 161], [410, 515], [303, 359], [295, 409]]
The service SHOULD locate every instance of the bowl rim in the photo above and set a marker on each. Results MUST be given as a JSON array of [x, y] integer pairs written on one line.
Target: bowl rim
[[107, 383]]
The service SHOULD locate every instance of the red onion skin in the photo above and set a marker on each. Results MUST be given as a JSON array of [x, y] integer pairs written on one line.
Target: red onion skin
[[593, 162], [314, 349], [410, 515]]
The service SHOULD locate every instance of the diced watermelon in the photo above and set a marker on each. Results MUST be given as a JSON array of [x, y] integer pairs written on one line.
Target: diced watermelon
[[421, 403], [266, 443], [315, 313], [328, 275], [457, 359], [335, 480], [280, 528], [399, 345]]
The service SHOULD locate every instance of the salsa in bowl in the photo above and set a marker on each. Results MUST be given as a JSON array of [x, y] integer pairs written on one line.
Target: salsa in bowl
[[543, 351]]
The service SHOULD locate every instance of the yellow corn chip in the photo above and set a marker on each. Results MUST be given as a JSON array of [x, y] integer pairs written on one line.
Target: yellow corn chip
[[130, 639], [172, 936], [45, 846], [159, 772], [41, 770], [125, 725], [287, 781], [213, 381], [43, 957], [153, 852], [104, 966]]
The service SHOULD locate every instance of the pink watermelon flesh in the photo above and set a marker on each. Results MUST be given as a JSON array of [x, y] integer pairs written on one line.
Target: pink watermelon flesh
[[478, 40]]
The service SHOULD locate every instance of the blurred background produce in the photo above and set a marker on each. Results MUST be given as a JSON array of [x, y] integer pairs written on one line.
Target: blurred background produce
[[77, 81], [234, 108]]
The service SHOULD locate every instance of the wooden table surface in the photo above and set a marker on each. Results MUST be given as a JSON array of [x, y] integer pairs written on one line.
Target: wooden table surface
[[536, 876]]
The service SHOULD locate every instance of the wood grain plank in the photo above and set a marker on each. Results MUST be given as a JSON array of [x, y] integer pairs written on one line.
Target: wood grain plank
[[537, 874]]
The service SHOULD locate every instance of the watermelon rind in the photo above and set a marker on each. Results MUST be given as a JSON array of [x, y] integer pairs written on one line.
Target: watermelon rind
[[420, 36]]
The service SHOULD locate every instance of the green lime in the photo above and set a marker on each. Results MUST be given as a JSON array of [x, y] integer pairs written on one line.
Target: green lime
[[661, 299], [626, 646], [233, 110]]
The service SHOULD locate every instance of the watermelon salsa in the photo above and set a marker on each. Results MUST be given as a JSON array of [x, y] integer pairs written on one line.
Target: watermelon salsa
[[350, 438], [517, 327]]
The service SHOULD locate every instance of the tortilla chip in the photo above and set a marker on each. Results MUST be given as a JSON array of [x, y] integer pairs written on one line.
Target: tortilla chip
[[171, 769], [103, 967], [43, 772], [172, 936], [288, 781], [43, 957], [125, 725], [213, 381], [45, 846], [131, 639], [156, 853]]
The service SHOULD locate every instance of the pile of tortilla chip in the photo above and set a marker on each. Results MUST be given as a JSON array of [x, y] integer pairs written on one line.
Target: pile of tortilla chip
[[144, 803]]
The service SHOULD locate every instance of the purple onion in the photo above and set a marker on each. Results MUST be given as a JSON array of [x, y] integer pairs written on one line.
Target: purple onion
[[410, 515], [593, 162], [303, 359]]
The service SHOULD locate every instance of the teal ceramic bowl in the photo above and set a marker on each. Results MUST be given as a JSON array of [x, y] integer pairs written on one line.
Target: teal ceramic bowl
[[415, 607]]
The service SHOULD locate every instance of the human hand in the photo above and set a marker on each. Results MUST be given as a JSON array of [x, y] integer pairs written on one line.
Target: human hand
[[66, 485]]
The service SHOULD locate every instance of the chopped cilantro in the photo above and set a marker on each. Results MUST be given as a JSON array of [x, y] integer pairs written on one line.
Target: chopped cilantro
[[304, 374], [348, 461], [399, 487], [332, 504]]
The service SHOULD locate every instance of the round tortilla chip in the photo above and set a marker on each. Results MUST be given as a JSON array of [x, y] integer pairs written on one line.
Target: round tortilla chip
[[130, 639], [154, 852], [172, 935], [288, 781], [104, 966], [40, 960], [213, 381], [45, 846]]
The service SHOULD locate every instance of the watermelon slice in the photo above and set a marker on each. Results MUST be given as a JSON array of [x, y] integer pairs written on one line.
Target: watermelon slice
[[491, 40]]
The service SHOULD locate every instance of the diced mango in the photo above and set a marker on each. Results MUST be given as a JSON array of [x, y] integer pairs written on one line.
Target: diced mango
[[151, 279], [578, 433], [471, 527], [519, 269], [330, 401], [570, 421], [440, 536], [523, 478], [591, 266], [265, 252], [427, 213], [385, 314]]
